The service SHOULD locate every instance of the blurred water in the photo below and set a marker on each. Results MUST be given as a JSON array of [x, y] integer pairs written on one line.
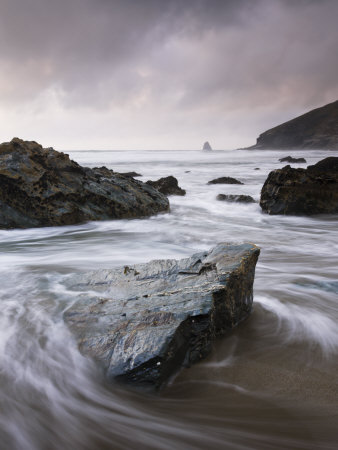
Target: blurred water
[[271, 384]]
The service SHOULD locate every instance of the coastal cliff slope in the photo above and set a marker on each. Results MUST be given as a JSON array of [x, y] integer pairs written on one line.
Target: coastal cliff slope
[[317, 129]]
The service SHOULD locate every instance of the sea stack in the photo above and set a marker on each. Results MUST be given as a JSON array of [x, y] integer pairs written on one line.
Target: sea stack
[[207, 146]]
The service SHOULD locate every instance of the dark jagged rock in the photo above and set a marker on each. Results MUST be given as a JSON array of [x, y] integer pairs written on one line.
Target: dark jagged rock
[[225, 180], [108, 173], [104, 172], [142, 323], [235, 198], [317, 129], [302, 191], [43, 187], [130, 174], [290, 159], [207, 146], [167, 186], [329, 165]]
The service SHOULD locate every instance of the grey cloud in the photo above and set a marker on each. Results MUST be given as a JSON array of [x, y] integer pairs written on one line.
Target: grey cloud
[[75, 43], [198, 56]]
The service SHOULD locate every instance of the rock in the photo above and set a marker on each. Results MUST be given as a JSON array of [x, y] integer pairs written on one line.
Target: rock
[[130, 174], [104, 172], [290, 159], [329, 165], [143, 323], [167, 186], [317, 129], [207, 146], [43, 187], [257, 168], [225, 180], [302, 191], [235, 198]]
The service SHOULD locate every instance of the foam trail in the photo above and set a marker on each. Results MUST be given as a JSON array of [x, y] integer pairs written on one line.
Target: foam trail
[[303, 323]]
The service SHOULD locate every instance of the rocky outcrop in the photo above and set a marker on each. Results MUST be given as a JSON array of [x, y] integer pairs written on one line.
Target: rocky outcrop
[[235, 198], [130, 174], [302, 191], [207, 146], [167, 186], [290, 159], [43, 187], [142, 323], [317, 129], [225, 180]]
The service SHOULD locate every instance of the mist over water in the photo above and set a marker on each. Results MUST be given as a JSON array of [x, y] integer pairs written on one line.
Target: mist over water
[[271, 384]]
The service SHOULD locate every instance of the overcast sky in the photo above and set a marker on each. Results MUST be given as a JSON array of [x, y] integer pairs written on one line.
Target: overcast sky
[[170, 74]]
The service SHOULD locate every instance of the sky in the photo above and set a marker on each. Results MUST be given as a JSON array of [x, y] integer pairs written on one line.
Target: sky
[[152, 74]]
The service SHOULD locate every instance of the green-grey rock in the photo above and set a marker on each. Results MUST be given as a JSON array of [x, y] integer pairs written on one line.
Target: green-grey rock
[[143, 323]]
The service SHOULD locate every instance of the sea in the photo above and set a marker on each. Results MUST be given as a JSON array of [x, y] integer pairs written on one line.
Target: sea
[[271, 384]]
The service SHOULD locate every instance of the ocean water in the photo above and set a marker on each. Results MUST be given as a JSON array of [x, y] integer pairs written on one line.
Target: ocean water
[[271, 384]]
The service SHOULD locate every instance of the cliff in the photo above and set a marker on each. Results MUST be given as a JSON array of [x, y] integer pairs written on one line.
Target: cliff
[[317, 129]]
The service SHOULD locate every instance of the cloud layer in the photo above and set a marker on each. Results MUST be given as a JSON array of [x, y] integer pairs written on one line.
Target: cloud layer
[[151, 74]]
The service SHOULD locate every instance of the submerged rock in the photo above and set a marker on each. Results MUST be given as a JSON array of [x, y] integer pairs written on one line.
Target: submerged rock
[[43, 187], [302, 191], [290, 159], [167, 186], [235, 198], [206, 146], [142, 323], [225, 180]]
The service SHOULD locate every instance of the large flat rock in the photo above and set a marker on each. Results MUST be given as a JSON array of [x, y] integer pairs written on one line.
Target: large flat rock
[[142, 323], [42, 187]]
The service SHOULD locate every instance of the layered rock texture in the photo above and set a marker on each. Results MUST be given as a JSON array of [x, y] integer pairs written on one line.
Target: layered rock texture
[[43, 187], [167, 186], [302, 191], [142, 323], [317, 129]]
